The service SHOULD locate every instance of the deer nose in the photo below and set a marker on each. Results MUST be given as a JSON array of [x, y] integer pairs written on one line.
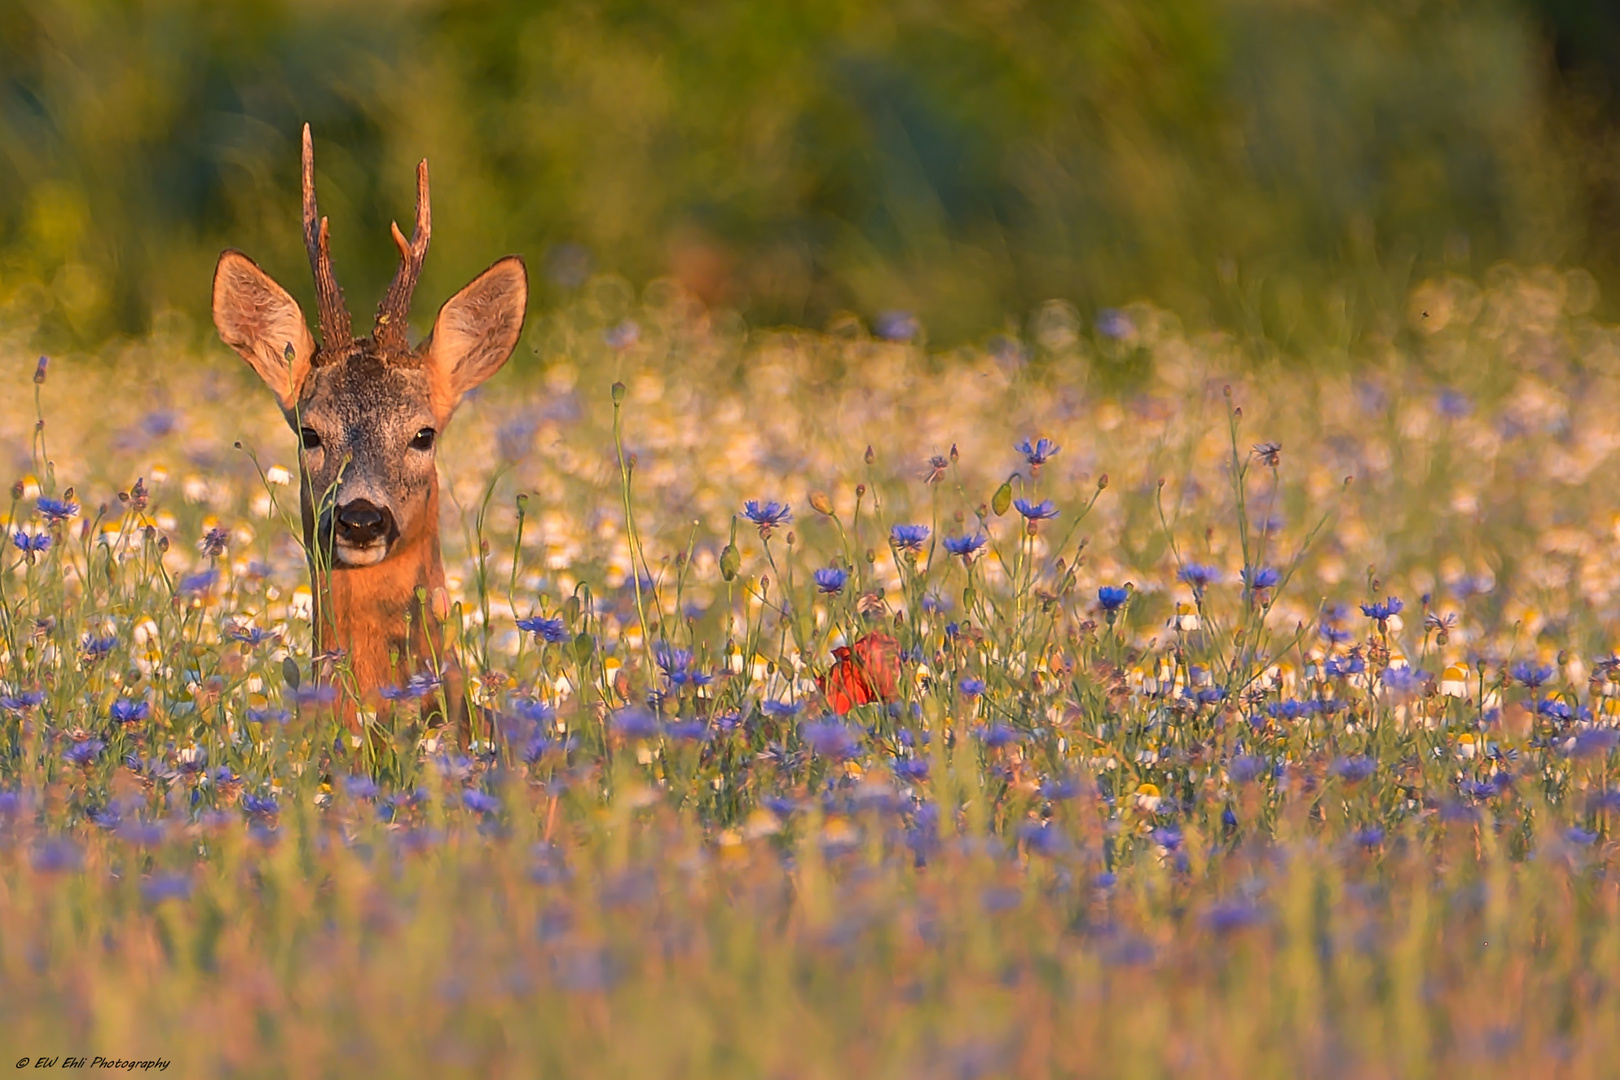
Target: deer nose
[[360, 522]]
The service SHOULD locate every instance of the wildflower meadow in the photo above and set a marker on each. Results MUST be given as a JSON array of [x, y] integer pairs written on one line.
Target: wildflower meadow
[[1104, 699]]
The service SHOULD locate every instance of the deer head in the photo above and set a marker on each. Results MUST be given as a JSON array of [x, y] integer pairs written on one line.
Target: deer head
[[368, 411]]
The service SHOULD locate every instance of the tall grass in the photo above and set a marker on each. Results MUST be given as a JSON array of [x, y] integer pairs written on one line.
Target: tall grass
[[1231, 767]]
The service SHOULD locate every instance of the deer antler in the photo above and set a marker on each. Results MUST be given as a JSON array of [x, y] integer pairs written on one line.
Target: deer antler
[[396, 304], [336, 333]]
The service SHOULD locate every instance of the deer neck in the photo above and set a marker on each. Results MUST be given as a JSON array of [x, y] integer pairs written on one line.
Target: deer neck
[[381, 617]]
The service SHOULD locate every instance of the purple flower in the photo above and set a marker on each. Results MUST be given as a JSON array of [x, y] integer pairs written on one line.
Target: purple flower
[[830, 579], [1353, 769], [767, 515], [97, 647], [480, 801], [1531, 675], [971, 687], [1039, 452], [161, 887], [1044, 510], [56, 511], [911, 768], [965, 546], [548, 630], [129, 711], [998, 735], [1381, 610], [830, 738], [31, 544], [1199, 576], [22, 702], [215, 541], [688, 731], [1112, 597], [1246, 768], [1265, 577], [909, 537], [83, 753], [197, 583], [57, 855], [635, 722], [261, 806]]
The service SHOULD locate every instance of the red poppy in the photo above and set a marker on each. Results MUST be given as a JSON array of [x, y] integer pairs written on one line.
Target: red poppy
[[862, 673]]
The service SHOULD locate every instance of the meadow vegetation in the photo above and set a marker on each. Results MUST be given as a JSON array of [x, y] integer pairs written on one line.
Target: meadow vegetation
[[1238, 720]]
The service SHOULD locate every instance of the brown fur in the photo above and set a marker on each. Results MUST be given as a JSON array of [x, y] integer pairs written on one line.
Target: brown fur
[[361, 406]]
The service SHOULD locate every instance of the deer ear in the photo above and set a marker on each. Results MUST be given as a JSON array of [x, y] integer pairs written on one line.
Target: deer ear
[[258, 319], [475, 332]]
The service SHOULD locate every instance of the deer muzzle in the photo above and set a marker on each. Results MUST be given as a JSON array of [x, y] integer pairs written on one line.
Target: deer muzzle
[[362, 532]]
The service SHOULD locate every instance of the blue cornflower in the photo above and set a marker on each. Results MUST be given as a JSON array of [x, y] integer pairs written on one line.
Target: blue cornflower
[[1593, 742], [1577, 835], [1246, 768], [1405, 680], [161, 887], [971, 687], [635, 723], [260, 805], [830, 738], [97, 647], [688, 731], [56, 511], [768, 515], [1337, 667], [909, 537], [249, 635], [129, 711], [215, 541], [417, 686], [268, 715], [911, 768], [1353, 769], [1291, 709], [31, 544], [1554, 708], [782, 710], [1039, 452], [1199, 576], [83, 753], [1044, 510], [22, 702], [315, 694], [1060, 788], [1112, 597], [1333, 635], [1530, 674], [361, 787], [480, 801], [549, 630], [200, 582], [830, 579], [965, 546], [998, 735], [1265, 577], [1381, 610]]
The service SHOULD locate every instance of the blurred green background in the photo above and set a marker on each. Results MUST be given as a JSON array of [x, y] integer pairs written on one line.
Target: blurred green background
[[1282, 168]]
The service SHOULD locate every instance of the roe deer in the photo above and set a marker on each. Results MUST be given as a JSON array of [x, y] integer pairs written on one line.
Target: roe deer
[[368, 413]]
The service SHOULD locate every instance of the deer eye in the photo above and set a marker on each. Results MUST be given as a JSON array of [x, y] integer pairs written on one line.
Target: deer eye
[[309, 438], [424, 439]]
